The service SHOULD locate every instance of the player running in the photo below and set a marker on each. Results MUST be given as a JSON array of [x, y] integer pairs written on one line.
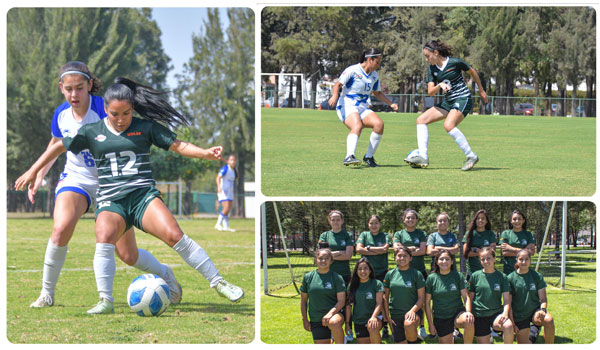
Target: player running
[[445, 75], [225, 192], [78, 184], [358, 82], [120, 144]]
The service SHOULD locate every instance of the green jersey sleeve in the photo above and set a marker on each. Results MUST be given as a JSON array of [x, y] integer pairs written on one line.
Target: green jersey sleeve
[[340, 286], [77, 143], [462, 65], [161, 136]]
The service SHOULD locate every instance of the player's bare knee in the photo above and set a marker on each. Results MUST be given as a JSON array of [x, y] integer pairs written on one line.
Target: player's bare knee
[[172, 236], [127, 257], [448, 126], [548, 321]]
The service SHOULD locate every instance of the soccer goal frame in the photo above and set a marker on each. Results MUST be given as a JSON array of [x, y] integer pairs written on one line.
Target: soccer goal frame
[[279, 81]]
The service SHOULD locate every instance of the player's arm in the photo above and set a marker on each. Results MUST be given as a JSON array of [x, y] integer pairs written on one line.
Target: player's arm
[[383, 98], [454, 249], [304, 310], [190, 150], [219, 177], [335, 94], [42, 173], [433, 89], [475, 76], [343, 254], [421, 250], [29, 177]]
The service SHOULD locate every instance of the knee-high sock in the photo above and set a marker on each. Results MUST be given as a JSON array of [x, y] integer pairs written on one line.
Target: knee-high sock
[[197, 258], [53, 263], [220, 219], [374, 140], [422, 139], [461, 141], [104, 269], [225, 221], [148, 263], [351, 142]]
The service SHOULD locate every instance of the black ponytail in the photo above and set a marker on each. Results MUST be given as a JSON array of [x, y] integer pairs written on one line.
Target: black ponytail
[[145, 100], [444, 49]]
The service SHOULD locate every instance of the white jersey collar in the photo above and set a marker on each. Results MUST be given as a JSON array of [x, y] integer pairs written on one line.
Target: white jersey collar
[[444, 64]]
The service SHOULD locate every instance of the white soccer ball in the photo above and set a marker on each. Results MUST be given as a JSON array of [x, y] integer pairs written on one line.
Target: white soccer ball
[[148, 295]]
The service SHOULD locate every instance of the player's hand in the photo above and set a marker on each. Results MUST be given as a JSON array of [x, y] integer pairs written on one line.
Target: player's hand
[[410, 316], [390, 321], [503, 318], [469, 318], [306, 324], [432, 330], [332, 101], [373, 323], [445, 87], [483, 96], [32, 190], [326, 318], [24, 180], [215, 153], [394, 107]]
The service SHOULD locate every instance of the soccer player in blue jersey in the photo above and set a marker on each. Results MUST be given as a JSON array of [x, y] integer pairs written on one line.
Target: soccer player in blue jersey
[[358, 82], [78, 184], [225, 192], [445, 75], [120, 145]]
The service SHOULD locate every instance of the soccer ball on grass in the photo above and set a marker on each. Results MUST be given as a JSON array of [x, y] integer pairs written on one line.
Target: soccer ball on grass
[[148, 295]]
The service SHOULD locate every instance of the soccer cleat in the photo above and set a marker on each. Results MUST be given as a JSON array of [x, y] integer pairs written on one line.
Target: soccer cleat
[[45, 300], [229, 229], [417, 161], [351, 160], [457, 334], [422, 334], [104, 306], [534, 332], [349, 336], [218, 227], [175, 290], [229, 291], [370, 162], [470, 163]]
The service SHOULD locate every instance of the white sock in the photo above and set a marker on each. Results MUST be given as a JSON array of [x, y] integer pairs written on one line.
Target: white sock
[[148, 263], [351, 142], [374, 140], [422, 139], [105, 269], [220, 219], [53, 263], [462, 142], [197, 258], [225, 221]]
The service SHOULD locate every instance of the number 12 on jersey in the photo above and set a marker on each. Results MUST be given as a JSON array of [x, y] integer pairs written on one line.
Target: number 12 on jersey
[[128, 169]]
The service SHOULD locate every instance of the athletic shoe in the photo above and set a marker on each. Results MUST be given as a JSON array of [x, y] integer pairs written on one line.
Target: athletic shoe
[[417, 162], [104, 306], [229, 291], [351, 160], [385, 333], [457, 333], [45, 300], [175, 290], [422, 333], [218, 227], [494, 334], [228, 229], [534, 332], [349, 336], [470, 163], [370, 162]]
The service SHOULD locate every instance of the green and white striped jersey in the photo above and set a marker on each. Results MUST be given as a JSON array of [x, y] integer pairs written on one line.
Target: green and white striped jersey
[[450, 74], [122, 159]]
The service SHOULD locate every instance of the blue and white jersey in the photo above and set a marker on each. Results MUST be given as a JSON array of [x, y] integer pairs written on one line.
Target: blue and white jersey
[[227, 183], [357, 85], [81, 166]]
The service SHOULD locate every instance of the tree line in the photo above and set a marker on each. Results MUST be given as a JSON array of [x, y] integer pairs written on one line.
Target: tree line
[[537, 45], [126, 42]]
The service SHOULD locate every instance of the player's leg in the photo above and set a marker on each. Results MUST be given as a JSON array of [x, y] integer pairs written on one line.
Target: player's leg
[[549, 329], [335, 325], [431, 115], [468, 328], [454, 118], [219, 223], [506, 328], [226, 209], [372, 120], [410, 329], [159, 222], [374, 332], [128, 251], [68, 208], [352, 122]]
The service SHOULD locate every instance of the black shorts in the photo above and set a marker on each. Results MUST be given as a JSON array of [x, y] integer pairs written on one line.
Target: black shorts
[[424, 273], [445, 326], [398, 333], [361, 331], [483, 325], [526, 323], [320, 332], [381, 276]]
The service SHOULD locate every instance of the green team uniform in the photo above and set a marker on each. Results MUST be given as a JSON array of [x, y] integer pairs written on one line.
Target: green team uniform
[[480, 239], [338, 242], [445, 293], [123, 162], [488, 289], [413, 239], [322, 292], [459, 96], [524, 290], [380, 261], [519, 239], [448, 240], [365, 300], [403, 286]]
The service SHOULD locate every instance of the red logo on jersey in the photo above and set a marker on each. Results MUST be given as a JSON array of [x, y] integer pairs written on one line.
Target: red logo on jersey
[[137, 133], [450, 69]]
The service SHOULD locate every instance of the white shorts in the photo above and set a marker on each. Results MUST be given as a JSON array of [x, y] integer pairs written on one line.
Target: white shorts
[[225, 195], [349, 106], [68, 182]]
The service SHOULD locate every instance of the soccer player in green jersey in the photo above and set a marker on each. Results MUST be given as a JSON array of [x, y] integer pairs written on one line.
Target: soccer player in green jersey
[[365, 303], [488, 289], [529, 301], [444, 287], [479, 235], [442, 239], [120, 145], [445, 75], [341, 244], [404, 297], [515, 239], [322, 299]]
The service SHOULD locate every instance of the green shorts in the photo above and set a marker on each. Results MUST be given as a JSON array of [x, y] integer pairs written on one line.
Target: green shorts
[[463, 105], [132, 207]]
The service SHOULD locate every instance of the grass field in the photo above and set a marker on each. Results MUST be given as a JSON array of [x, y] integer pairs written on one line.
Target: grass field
[[281, 322], [201, 317], [302, 153]]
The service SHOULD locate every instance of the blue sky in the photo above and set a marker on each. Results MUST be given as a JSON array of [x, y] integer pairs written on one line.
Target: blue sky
[[177, 26]]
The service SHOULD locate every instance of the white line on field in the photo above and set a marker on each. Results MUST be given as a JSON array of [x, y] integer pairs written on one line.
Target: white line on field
[[13, 269]]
